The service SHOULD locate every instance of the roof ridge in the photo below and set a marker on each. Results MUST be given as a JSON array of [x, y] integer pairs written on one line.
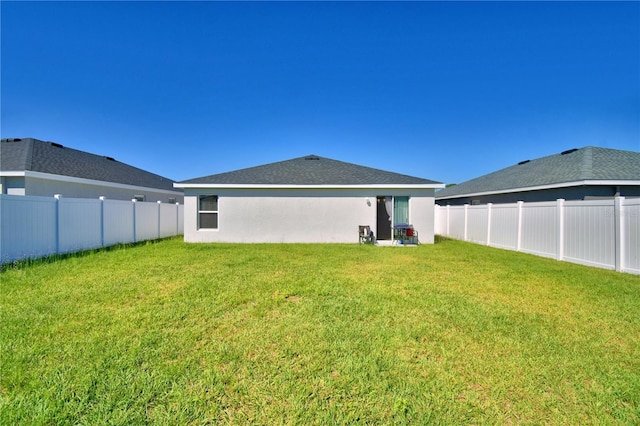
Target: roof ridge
[[28, 163], [587, 163]]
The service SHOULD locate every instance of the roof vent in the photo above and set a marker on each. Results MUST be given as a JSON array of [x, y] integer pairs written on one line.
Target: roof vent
[[569, 151], [11, 140], [57, 145], [110, 158], [523, 162], [312, 157]]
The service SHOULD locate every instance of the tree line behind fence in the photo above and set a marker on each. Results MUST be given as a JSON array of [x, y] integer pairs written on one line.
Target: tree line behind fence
[[32, 227], [601, 233]]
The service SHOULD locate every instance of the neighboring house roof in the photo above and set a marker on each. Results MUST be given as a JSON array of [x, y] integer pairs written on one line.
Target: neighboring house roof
[[33, 155], [310, 170], [585, 166]]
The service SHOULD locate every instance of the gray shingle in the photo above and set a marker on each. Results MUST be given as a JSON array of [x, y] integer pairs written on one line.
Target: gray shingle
[[589, 163], [46, 157], [310, 170]]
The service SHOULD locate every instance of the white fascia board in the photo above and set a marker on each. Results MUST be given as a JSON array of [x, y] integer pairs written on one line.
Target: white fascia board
[[550, 186], [71, 179], [243, 186], [12, 174]]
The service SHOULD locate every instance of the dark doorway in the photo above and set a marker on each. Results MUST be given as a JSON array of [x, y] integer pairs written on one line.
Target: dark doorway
[[383, 221]]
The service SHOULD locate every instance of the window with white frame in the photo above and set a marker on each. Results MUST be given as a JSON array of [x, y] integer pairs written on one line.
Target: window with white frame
[[208, 212]]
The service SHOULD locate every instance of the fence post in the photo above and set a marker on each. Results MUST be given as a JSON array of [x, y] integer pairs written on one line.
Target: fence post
[[159, 214], [519, 227], [134, 201], [177, 219], [618, 215], [57, 197], [447, 220], [102, 198], [466, 213], [489, 223], [560, 229]]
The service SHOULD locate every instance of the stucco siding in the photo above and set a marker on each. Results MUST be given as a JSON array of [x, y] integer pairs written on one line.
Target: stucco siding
[[298, 216], [48, 188], [421, 216], [13, 185]]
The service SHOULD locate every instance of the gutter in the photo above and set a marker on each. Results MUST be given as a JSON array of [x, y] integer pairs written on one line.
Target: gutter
[[283, 186]]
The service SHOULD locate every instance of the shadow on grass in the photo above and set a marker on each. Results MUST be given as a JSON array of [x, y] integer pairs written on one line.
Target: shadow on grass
[[24, 263]]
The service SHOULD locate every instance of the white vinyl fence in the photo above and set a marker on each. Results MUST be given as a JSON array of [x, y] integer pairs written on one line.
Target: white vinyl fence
[[601, 233], [32, 227]]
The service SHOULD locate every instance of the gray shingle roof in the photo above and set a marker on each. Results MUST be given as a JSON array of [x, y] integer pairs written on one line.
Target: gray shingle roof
[[309, 170], [30, 154], [589, 163]]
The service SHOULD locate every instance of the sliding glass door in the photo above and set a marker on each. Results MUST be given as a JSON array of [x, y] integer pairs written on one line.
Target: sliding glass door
[[400, 210], [391, 211]]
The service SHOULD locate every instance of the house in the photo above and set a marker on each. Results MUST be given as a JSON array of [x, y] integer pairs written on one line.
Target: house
[[575, 174], [309, 199], [33, 167]]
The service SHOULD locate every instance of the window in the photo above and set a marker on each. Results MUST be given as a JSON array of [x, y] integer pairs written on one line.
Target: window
[[208, 212]]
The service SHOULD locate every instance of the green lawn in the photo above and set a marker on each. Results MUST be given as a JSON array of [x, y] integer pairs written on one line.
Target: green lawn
[[453, 333]]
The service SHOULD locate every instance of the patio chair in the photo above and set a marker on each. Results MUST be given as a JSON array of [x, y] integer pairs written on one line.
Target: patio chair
[[365, 234], [412, 236]]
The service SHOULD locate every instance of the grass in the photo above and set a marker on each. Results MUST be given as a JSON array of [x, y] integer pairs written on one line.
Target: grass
[[452, 333]]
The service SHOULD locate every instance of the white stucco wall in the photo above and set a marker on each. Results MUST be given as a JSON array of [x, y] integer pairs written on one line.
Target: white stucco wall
[[48, 188], [421, 216], [299, 215], [12, 185]]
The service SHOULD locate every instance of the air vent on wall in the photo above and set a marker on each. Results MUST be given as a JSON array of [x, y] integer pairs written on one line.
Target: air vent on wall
[[569, 151]]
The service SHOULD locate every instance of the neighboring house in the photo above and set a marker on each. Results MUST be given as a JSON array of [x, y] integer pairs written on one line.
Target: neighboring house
[[33, 167], [575, 174], [307, 199]]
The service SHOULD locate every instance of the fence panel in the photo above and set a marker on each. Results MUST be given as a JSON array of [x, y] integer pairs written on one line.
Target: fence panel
[[477, 224], [181, 219], [456, 222], [168, 220], [27, 227], [601, 233], [32, 227], [539, 229], [630, 219], [504, 226], [440, 222], [118, 222], [589, 233], [80, 223], [147, 221]]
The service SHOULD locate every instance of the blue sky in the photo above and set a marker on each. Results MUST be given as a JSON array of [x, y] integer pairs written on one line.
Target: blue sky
[[442, 90]]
